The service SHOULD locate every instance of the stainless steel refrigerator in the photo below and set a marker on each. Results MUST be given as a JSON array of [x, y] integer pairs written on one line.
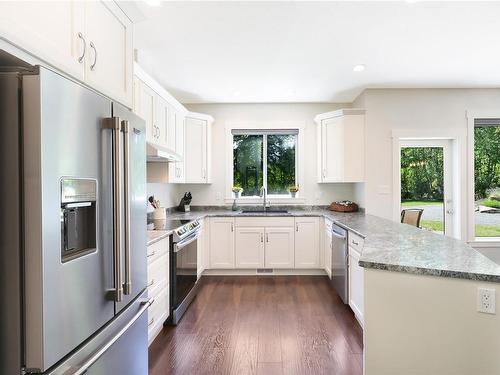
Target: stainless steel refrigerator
[[73, 293]]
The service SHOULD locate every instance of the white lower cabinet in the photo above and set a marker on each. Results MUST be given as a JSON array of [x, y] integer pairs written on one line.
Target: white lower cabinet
[[280, 247], [249, 247], [158, 286], [265, 242], [157, 314], [307, 242], [356, 284], [222, 243]]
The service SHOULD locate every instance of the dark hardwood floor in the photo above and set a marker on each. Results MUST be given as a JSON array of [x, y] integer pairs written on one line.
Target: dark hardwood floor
[[262, 325]]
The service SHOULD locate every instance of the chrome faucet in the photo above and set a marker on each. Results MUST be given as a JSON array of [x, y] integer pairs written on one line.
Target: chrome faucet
[[263, 193]]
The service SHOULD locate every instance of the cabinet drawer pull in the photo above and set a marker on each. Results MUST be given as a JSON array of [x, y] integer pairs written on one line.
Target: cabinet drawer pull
[[261, 237], [267, 237], [80, 59], [152, 254], [296, 227], [355, 243], [151, 321], [95, 56], [151, 283]]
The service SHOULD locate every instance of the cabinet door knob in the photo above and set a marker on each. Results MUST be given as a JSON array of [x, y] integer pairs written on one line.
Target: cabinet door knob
[[92, 67], [80, 59]]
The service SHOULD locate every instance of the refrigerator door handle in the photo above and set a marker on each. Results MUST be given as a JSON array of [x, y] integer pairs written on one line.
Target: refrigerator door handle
[[127, 286], [93, 359], [113, 123]]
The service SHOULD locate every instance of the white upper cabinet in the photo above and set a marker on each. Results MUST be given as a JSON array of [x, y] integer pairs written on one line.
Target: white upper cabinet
[[144, 106], [307, 242], [341, 146], [197, 148], [161, 121], [170, 127], [177, 169], [90, 41], [51, 31], [109, 57]]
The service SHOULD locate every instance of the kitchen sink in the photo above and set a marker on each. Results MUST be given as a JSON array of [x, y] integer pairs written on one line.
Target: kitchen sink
[[270, 211]]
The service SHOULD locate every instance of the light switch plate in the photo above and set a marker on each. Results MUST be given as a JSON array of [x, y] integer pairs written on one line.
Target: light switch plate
[[486, 300]]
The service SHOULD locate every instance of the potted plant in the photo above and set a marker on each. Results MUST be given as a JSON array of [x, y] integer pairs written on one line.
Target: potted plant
[[293, 191], [237, 190]]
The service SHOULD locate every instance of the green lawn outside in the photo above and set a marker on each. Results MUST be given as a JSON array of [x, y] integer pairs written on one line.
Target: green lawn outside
[[420, 203], [487, 231], [490, 203], [433, 225], [481, 230]]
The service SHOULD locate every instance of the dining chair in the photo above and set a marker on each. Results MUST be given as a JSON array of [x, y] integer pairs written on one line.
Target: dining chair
[[411, 216]]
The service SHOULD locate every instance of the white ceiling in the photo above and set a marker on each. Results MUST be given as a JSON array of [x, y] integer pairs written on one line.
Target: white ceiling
[[262, 52]]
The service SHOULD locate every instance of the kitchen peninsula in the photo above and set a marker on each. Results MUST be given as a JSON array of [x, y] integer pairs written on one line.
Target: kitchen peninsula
[[419, 294]]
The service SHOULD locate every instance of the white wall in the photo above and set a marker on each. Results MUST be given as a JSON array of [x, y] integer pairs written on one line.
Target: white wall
[[266, 114], [166, 193], [423, 110], [419, 324]]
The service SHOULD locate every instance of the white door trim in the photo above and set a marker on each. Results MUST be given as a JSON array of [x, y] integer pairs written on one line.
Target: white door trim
[[457, 139]]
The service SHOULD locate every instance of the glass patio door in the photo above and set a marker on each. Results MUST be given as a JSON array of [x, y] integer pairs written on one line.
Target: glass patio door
[[426, 182]]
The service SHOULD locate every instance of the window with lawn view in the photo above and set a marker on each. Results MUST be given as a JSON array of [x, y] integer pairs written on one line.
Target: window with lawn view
[[264, 158], [487, 177]]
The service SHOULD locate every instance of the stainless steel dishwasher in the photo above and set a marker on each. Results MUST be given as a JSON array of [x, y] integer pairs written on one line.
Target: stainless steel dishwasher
[[340, 262]]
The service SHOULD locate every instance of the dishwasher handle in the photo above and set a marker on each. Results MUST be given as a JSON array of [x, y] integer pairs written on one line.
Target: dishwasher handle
[[338, 235]]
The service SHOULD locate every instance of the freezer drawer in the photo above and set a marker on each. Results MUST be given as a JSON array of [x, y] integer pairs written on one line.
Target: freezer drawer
[[122, 345]]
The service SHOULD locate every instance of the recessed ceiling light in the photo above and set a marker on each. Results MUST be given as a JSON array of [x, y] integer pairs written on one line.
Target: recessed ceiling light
[[153, 3], [359, 68]]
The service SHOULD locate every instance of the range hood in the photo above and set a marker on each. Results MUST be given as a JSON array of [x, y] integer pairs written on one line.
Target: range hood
[[159, 154]]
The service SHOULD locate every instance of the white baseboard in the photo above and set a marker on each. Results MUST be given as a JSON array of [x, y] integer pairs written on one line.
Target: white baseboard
[[253, 272]]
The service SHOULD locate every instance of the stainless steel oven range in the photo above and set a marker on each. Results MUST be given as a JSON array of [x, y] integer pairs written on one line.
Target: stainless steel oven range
[[183, 266]]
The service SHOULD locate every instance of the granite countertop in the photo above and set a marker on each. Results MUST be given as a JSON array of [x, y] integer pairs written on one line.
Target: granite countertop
[[157, 235], [393, 246]]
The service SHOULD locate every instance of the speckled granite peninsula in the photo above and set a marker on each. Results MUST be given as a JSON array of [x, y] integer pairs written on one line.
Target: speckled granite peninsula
[[389, 245]]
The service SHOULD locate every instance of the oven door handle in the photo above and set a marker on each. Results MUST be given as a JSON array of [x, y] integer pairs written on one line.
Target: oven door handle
[[179, 245]]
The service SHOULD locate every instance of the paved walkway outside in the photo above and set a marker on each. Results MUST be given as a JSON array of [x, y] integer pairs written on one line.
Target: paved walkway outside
[[435, 213]]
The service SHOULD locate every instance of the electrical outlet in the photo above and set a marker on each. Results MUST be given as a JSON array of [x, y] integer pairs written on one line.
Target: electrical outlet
[[486, 300]]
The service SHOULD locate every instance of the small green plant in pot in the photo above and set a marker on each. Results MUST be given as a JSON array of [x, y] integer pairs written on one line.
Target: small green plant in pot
[[293, 191], [237, 190]]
